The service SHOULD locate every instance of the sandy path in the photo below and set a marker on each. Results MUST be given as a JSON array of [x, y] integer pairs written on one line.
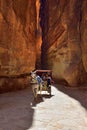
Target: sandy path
[[65, 110]]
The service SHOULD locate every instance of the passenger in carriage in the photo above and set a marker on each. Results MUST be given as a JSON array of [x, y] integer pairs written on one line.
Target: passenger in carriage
[[43, 76], [49, 80]]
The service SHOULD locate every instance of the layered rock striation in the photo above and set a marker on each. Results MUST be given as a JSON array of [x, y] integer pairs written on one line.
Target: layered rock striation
[[64, 47]]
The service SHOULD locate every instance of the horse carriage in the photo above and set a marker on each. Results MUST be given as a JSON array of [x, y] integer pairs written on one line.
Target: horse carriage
[[44, 86]]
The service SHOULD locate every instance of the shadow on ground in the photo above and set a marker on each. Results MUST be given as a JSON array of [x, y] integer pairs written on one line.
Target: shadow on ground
[[79, 94], [40, 99], [16, 112], [16, 109]]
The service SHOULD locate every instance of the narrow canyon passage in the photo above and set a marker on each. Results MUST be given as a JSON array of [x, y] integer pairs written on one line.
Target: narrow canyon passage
[[42, 29], [43, 34]]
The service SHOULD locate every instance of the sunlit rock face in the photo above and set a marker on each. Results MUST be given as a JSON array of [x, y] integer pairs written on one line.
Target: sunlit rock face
[[17, 39], [64, 48], [39, 36]]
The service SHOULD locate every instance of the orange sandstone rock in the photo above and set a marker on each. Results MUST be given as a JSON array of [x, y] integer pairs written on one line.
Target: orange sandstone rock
[[17, 39]]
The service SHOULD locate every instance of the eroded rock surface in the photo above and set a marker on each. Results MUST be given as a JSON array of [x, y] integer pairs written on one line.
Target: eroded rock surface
[[64, 48], [17, 39]]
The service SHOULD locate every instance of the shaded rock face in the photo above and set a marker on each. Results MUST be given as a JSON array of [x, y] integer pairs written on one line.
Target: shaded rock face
[[64, 47], [17, 39]]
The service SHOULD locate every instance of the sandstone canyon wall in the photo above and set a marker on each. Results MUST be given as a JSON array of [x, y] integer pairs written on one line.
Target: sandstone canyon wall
[[64, 47], [17, 41], [64, 40]]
